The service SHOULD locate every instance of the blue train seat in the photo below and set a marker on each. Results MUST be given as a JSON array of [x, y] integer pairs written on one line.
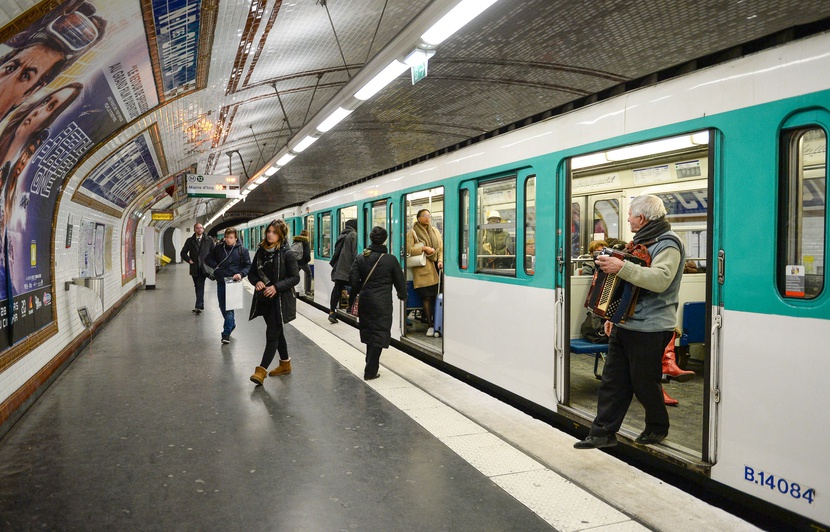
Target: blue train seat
[[581, 346], [694, 323]]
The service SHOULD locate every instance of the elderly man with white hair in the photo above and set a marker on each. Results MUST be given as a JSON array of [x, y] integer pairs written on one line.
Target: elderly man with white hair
[[633, 366]]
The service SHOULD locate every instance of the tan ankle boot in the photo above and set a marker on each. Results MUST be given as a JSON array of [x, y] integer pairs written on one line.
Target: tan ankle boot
[[283, 369], [259, 375]]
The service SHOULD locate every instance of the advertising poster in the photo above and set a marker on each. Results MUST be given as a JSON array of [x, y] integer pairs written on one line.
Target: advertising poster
[[88, 74], [177, 25], [86, 250], [128, 253], [125, 174]]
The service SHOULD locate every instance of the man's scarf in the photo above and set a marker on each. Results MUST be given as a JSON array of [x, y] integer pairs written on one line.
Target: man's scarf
[[650, 231]]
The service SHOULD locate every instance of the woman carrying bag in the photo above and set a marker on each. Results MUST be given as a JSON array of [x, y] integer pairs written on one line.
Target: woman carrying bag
[[373, 274], [274, 274], [424, 242]]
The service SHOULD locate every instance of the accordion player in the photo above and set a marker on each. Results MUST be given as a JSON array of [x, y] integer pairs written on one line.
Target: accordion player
[[611, 297]]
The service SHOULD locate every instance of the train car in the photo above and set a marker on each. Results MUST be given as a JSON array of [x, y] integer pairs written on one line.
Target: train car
[[738, 153]]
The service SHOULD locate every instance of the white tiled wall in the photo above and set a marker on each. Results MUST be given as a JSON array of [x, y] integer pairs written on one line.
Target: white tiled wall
[[67, 302]]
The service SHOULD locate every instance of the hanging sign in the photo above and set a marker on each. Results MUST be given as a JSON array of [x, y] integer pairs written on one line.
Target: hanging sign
[[212, 186]]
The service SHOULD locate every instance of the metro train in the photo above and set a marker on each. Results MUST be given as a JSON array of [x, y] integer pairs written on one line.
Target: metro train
[[738, 153]]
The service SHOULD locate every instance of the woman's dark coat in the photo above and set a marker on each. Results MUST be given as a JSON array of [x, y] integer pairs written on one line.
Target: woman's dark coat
[[228, 263], [277, 269], [375, 306]]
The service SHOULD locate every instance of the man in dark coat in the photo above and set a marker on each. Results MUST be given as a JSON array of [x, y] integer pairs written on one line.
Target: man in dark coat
[[345, 250], [372, 276], [194, 251]]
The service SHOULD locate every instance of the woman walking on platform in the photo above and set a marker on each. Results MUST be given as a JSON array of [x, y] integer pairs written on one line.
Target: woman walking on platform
[[373, 274], [274, 275]]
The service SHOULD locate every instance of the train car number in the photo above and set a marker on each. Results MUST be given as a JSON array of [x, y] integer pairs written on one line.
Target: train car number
[[784, 486]]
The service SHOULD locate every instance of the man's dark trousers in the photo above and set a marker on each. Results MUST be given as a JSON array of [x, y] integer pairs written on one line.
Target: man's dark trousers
[[199, 283], [633, 367]]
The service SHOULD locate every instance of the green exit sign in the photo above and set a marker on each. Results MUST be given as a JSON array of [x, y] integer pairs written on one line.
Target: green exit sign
[[419, 72]]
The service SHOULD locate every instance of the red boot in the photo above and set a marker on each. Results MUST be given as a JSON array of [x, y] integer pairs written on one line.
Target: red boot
[[669, 400], [670, 368]]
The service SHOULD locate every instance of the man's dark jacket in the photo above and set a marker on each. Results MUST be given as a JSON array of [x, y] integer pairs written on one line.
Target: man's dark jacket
[[192, 250]]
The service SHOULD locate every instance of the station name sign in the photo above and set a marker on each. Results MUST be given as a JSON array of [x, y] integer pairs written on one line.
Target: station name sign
[[212, 186]]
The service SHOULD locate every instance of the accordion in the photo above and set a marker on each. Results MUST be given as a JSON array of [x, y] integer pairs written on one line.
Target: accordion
[[610, 297]]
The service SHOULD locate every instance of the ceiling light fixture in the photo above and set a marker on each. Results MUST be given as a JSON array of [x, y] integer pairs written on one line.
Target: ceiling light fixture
[[261, 179], [305, 143], [271, 171], [456, 19], [333, 119], [384, 78], [285, 159]]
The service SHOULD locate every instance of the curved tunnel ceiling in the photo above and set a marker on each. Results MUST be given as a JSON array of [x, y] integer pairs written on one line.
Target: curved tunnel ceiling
[[201, 79]]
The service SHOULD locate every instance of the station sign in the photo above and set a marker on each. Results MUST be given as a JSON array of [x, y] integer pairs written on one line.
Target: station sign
[[213, 186], [162, 216]]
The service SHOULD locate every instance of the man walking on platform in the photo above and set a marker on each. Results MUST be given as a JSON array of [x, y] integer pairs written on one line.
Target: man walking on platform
[[194, 251]]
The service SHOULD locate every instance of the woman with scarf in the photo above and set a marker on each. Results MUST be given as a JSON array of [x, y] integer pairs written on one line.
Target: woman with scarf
[[635, 348], [274, 275], [425, 238], [373, 275]]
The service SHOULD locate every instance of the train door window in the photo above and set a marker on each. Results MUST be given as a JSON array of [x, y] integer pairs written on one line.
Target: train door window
[[496, 247], [530, 225], [803, 213], [325, 235], [346, 214], [377, 218], [606, 220], [686, 211], [465, 229], [576, 230], [309, 226], [423, 312]]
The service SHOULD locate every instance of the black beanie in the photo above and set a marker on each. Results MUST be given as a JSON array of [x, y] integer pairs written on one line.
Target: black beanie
[[378, 235]]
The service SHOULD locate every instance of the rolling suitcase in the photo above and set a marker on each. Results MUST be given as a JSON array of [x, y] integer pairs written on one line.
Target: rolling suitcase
[[439, 308]]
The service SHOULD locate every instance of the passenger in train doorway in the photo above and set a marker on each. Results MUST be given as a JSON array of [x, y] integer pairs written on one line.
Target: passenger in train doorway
[[373, 275], [424, 238], [588, 265], [274, 274], [496, 242], [195, 250], [228, 259], [635, 348], [302, 262], [345, 250]]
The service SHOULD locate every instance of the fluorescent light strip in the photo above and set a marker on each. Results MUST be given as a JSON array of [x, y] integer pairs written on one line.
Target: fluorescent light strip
[[333, 119], [384, 78], [305, 143], [252, 186], [271, 171], [285, 159], [456, 19]]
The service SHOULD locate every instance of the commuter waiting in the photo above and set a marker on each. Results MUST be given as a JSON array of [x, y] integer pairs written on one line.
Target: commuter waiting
[[228, 260], [372, 276], [274, 274], [303, 261], [496, 242], [345, 250], [424, 238], [588, 265]]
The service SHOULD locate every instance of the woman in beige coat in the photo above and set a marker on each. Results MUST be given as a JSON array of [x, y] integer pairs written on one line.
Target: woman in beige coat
[[425, 238]]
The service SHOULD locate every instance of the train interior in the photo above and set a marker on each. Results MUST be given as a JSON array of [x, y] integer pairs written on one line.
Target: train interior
[[602, 186], [306, 286], [415, 326]]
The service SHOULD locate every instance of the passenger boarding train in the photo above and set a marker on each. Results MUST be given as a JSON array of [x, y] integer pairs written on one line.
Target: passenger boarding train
[[738, 153]]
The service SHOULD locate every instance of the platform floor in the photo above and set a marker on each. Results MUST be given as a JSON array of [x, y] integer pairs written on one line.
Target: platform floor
[[156, 426]]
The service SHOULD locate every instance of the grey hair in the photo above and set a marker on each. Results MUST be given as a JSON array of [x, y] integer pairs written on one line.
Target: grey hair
[[649, 206]]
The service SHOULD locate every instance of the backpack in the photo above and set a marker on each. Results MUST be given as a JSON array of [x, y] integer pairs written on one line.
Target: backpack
[[297, 250], [593, 330]]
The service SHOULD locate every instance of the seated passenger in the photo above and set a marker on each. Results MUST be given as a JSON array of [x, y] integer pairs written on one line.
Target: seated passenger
[[496, 242], [690, 267], [588, 265]]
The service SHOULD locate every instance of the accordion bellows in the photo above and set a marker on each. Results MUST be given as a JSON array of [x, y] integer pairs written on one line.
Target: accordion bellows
[[611, 297]]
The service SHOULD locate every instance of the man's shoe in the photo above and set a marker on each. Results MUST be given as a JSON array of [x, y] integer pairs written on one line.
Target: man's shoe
[[371, 377], [596, 442], [197, 311], [226, 339], [650, 438], [332, 318]]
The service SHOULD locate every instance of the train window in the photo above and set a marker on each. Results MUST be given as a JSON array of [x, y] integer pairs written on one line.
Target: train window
[[378, 218], [686, 210], [606, 220], [346, 214], [576, 227], [465, 228], [530, 225], [497, 227], [309, 226], [325, 235], [803, 213]]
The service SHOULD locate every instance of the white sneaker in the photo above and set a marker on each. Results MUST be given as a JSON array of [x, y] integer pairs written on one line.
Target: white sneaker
[[430, 332]]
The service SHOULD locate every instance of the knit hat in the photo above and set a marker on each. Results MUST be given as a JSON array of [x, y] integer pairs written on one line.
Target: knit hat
[[378, 235]]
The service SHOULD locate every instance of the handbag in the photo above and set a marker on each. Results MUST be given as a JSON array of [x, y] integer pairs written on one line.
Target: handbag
[[208, 272], [354, 310], [416, 261]]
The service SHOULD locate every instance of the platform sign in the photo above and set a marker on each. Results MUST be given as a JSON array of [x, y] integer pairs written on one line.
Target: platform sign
[[162, 216], [212, 186]]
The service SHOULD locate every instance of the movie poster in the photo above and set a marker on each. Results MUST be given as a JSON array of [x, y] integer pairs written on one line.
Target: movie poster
[[87, 74]]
